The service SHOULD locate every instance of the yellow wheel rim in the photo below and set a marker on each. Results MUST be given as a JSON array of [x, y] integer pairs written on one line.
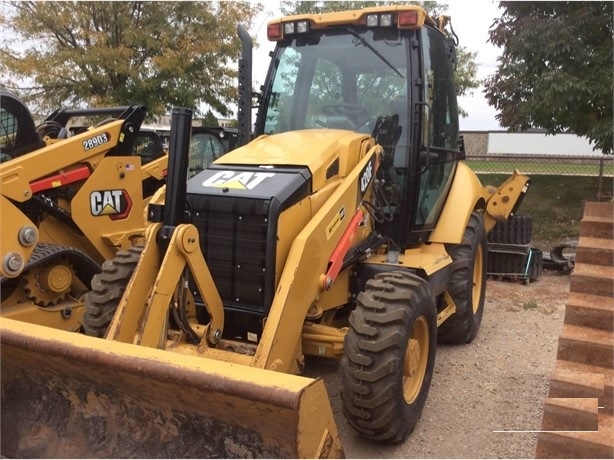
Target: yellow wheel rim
[[478, 280], [416, 359]]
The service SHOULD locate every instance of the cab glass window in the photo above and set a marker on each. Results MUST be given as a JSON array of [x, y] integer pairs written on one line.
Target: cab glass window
[[204, 149], [441, 127], [8, 134], [440, 93], [148, 146], [337, 79]]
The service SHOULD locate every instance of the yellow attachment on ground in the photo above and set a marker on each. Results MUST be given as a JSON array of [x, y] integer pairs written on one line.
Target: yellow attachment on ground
[[70, 395]]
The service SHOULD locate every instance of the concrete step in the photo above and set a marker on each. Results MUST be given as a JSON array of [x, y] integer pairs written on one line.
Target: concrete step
[[597, 271], [571, 379], [595, 255], [594, 210], [562, 384], [586, 345], [595, 227], [578, 444], [570, 414], [584, 368], [590, 311], [593, 279]]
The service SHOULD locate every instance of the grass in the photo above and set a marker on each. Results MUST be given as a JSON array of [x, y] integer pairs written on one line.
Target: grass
[[562, 167], [556, 204], [530, 305]]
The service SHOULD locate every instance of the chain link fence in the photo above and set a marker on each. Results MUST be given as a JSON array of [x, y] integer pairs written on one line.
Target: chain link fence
[[601, 167]]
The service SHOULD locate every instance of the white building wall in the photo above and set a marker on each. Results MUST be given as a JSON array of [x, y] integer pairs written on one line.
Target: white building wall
[[539, 144]]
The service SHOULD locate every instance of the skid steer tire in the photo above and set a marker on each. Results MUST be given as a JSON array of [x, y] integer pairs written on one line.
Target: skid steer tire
[[107, 290], [389, 353], [467, 283]]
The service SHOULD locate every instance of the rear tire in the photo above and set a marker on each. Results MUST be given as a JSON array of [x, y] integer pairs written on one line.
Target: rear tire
[[389, 354], [467, 283], [107, 290]]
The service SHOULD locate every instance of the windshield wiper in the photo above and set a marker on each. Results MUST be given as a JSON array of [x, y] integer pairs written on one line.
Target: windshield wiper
[[364, 42]]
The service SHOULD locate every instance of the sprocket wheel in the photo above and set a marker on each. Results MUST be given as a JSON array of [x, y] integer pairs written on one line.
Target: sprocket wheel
[[49, 283]]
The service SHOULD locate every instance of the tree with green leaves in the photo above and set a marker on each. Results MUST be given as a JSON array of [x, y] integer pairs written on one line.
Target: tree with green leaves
[[160, 54], [210, 119], [556, 70], [465, 76]]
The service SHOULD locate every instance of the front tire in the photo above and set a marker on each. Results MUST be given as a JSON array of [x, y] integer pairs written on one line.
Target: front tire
[[467, 283], [389, 354], [107, 290]]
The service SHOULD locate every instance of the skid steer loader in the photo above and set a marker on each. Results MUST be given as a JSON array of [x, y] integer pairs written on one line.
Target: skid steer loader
[[348, 228], [71, 198]]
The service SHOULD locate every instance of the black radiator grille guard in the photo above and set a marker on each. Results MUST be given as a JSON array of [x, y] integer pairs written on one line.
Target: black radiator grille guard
[[233, 239], [237, 225]]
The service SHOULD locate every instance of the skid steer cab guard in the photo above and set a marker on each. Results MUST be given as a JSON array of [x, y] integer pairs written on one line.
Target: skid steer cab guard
[[115, 400]]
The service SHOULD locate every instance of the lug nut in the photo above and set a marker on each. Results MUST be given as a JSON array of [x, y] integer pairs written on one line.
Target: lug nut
[[27, 236], [13, 264], [217, 336]]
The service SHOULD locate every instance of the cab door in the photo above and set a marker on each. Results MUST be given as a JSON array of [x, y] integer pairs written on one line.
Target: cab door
[[439, 149]]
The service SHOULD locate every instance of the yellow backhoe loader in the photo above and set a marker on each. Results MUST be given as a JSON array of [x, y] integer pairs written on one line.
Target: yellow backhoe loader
[[348, 228], [72, 197]]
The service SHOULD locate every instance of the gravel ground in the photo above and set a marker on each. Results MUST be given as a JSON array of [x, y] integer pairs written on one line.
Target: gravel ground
[[486, 398]]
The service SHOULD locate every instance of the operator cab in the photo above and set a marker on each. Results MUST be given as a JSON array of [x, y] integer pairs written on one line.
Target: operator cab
[[388, 73]]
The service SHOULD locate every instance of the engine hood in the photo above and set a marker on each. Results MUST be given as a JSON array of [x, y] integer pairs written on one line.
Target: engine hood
[[327, 153]]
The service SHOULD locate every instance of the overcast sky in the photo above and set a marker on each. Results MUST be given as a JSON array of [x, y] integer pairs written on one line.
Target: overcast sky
[[470, 20]]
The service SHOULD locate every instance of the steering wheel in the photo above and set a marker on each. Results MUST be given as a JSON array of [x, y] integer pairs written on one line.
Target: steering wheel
[[357, 114]]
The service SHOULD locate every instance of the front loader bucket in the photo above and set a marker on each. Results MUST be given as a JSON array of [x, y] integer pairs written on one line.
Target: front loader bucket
[[69, 395]]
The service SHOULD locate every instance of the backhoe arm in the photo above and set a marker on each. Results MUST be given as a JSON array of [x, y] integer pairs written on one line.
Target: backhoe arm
[[505, 199]]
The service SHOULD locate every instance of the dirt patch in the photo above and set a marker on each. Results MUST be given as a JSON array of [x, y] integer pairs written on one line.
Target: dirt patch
[[486, 398]]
